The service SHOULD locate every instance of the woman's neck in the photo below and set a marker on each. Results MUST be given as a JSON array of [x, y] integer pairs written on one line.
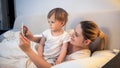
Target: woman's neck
[[76, 48], [72, 49]]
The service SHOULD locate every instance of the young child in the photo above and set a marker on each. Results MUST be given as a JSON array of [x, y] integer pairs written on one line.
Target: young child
[[53, 44]]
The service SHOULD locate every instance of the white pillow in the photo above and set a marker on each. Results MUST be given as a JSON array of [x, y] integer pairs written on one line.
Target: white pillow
[[97, 60], [104, 53]]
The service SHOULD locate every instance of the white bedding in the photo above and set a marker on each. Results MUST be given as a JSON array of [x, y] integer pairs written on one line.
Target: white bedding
[[9, 45], [11, 56]]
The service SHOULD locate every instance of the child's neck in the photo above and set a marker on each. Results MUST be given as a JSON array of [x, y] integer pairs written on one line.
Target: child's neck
[[57, 32]]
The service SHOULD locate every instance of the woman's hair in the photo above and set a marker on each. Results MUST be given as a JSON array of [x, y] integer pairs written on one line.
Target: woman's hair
[[60, 14], [92, 32]]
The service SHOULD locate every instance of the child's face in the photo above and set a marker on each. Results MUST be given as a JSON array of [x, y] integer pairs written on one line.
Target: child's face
[[55, 25]]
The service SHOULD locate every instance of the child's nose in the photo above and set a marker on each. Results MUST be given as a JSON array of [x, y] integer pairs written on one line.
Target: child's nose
[[50, 24]]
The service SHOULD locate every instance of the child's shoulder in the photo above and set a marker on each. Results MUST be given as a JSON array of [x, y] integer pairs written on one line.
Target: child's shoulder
[[47, 31], [66, 32]]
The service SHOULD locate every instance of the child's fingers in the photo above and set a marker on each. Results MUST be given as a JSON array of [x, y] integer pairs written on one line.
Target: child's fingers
[[25, 27], [23, 38], [57, 62]]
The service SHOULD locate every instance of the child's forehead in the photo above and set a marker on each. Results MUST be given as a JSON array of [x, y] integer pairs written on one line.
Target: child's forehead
[[52, 17]]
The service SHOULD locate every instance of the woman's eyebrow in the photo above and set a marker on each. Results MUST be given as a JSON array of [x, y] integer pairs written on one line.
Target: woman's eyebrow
[[75, 32]]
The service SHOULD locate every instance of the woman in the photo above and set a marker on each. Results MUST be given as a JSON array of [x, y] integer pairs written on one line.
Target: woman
[[85, 34]]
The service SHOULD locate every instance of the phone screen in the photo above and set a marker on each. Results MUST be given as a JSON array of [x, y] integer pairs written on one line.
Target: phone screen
[[24, 30]]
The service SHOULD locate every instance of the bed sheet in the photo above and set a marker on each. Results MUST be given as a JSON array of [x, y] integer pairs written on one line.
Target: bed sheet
[[11, 56]]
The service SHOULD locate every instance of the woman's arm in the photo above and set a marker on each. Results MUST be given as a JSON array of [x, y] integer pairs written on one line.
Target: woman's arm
[[38, 61]]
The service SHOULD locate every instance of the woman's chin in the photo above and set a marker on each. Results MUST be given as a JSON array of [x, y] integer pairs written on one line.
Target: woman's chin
[[71, 42]]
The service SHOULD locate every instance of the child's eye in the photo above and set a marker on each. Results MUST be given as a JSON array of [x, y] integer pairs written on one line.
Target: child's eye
[[48, 21], [52, 22]]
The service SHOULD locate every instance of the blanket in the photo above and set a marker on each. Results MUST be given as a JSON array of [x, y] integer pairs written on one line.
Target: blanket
[[11, 56]]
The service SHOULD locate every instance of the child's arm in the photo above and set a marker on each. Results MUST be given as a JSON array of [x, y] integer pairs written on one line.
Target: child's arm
[[41, 46], [30, 36], [62, 54], [36, 39], [27, 33]]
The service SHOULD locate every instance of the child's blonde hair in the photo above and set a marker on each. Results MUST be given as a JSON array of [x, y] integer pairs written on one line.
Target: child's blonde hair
[[60, 14]]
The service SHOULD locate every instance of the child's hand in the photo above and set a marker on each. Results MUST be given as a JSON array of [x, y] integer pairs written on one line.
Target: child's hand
[[24, 30], [28, 33], [58, 61]]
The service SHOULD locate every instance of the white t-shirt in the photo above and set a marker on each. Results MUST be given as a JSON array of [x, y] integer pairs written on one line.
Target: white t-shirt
[[53, 44], [78, 55]]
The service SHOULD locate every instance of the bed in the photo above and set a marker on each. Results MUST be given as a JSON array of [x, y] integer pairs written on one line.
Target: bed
[[11, 55]]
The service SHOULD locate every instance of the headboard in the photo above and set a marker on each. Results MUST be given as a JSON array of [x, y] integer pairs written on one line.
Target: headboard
[[108, 21]]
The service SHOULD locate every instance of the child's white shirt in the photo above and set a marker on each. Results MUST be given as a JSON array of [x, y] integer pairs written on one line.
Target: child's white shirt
[[53, 44]]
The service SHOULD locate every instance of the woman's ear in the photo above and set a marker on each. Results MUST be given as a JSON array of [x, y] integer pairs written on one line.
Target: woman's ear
[[87, 42]]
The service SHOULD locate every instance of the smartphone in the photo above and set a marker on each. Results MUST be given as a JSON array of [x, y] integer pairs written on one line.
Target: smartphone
[[24, 30]]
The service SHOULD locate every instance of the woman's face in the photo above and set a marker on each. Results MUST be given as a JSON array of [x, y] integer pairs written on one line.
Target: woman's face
[[77, 38]]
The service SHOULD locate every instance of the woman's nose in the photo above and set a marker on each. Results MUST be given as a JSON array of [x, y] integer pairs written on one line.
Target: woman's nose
[[73, 35], [71, 32]]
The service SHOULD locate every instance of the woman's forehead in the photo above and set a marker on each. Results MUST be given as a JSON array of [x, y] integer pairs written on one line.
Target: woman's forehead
[[78, 29]]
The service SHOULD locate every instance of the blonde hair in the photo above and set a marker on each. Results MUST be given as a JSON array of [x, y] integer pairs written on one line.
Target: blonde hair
[[91, 31], [100, 42]]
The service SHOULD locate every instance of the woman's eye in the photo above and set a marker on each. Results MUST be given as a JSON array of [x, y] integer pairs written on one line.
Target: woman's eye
[[76, 34]]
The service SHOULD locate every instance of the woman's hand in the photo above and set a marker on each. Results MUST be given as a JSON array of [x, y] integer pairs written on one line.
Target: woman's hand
[[24, 43]]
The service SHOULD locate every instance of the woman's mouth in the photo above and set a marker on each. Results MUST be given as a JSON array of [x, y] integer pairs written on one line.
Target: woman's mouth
[[71, 39]]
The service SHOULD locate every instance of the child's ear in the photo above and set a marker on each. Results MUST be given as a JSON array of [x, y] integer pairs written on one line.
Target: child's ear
[[87, 42], [63, 23]]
